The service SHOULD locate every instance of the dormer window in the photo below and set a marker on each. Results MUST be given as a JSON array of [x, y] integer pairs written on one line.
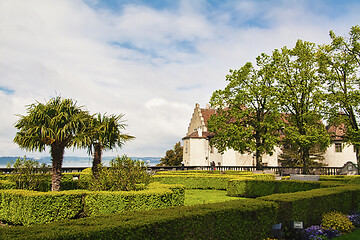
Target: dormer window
[[338, 147]]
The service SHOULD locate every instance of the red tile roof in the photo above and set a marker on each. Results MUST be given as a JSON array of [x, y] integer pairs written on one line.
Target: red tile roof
[[206, 114], [196, 135], [337, 133]]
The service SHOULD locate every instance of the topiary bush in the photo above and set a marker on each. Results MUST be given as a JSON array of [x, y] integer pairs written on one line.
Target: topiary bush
[[338, 221]]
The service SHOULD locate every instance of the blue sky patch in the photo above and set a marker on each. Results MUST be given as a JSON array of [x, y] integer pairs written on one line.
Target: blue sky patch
[[7, 91]]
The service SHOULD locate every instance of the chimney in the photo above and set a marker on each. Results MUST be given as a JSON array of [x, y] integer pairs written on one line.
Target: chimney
[[200, 132]]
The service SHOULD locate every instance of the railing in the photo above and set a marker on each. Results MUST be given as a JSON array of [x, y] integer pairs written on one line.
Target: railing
[[282, 171]]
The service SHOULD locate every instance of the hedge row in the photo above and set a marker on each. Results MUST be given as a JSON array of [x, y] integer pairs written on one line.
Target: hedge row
[[189, 172], [29, 207], [256, 188], [339, 178], [238, 219], [309, 206], [206, 181], [159, 196], [6, 184]]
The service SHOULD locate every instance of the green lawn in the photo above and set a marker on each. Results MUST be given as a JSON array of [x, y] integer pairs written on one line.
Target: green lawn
[[351, 236], [200, 196]]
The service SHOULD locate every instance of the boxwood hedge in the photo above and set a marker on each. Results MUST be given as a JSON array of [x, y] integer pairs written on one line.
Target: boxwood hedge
[[309, 206], [238, 219], [29, 207]]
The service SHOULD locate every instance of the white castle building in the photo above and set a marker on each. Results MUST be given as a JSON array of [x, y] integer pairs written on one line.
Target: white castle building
[[198, 152]]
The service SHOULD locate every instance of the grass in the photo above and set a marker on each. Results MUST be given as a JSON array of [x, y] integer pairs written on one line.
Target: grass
[[351, 236], [200, 196]]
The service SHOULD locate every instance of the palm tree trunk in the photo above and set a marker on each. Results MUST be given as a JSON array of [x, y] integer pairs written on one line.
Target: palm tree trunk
[[57, 155], [97, 159]]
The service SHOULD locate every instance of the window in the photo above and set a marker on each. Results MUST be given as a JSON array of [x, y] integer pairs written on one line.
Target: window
[[338, 147]]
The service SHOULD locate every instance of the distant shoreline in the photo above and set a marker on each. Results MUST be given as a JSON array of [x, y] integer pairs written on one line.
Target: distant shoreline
[[72, 161]]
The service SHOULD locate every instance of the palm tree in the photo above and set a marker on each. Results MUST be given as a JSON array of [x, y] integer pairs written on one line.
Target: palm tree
[[60, 124], [105, 133]]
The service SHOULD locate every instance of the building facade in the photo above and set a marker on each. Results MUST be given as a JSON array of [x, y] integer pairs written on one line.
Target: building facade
[[198, 152]]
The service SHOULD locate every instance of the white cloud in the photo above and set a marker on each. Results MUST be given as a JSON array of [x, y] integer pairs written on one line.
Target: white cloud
[[153, 65]]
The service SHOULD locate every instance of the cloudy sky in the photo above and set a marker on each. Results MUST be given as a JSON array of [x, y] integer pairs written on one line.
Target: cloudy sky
[[150, 60]]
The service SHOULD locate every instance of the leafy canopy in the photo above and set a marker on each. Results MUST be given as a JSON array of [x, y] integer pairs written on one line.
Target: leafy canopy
[[247, 118], [173, 157]]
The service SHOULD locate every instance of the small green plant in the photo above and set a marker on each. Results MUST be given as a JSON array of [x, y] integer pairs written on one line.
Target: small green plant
[[124, 174], [338, 221], [29, 174]]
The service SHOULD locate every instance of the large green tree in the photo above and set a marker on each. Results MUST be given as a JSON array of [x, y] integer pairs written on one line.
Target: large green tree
[[105, 132], [59, 124], [247, 118], [173, 157], [340, 66], [301, 99]]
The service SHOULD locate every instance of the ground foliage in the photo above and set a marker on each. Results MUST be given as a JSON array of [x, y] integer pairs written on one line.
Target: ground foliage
[[29, 174], [123, 174]]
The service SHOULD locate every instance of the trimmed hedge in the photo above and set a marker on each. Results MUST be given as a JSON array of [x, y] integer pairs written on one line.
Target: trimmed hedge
[[189, 172], [248, 187], [238, 219], [158, 196], [309, 206], [29, 207], [338, 178], [6, 184], [207, 181]]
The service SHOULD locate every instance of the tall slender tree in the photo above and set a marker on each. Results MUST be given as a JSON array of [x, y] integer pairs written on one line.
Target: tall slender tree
[[340, 67], [105, 133], [247, 118], [301, 99], [59, 124]]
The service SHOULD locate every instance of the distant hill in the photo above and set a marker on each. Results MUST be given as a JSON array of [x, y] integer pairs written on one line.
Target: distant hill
[[72, 161]]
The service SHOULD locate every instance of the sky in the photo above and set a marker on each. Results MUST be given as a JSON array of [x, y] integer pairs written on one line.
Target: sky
[[149, 60]]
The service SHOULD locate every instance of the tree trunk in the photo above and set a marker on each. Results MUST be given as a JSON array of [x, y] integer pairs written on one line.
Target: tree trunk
[[357, 151], [97, 159], [305, 155], [258, 155], [57, 154], [258, 158]]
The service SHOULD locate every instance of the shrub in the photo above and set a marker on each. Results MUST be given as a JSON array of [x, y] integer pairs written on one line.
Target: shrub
[[28, 207], [309, 206], [6, 184], [199, 181], [157, 196], [124, 174], [238, 219], [249, 187], [338, 221], [354, 180], [24, 207], [30, 175]]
